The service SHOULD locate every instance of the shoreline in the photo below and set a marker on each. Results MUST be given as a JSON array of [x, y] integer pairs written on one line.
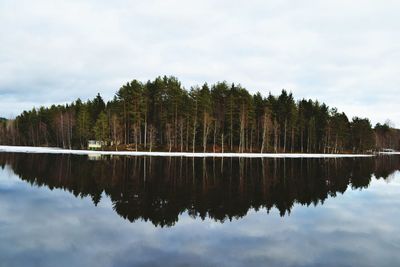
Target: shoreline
[[54, 150]]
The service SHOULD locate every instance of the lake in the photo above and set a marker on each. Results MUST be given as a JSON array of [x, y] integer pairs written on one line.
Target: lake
[[74, 210]]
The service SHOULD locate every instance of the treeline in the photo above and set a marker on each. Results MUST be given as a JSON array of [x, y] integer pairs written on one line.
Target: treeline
[[162, 115], [386, 136]]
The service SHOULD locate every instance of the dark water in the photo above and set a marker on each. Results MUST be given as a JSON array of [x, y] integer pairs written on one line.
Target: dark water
[[66, 210]]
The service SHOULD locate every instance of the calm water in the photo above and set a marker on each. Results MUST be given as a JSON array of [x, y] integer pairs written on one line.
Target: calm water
[[66, 210]]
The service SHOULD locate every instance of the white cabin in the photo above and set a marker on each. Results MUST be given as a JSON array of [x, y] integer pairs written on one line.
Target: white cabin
[[94, 144]]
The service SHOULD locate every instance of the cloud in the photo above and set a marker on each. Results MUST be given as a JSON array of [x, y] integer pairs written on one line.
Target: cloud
[[344, 53]]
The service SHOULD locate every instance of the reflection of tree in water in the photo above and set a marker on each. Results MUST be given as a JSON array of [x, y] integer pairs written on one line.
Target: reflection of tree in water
[[159, 189]]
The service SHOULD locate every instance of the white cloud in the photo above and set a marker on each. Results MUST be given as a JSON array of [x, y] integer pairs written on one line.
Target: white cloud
[[341, 52]]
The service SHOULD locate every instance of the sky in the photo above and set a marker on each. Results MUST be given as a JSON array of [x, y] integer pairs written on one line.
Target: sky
[[344, 53]]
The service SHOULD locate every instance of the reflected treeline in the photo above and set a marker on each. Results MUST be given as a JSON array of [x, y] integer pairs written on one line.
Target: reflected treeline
[[159, 189]]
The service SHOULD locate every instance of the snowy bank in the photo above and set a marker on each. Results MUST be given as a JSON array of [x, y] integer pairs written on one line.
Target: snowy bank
[[389, 153], [50, 150]]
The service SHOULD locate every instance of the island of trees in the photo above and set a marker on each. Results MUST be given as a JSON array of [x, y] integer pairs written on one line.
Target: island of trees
[[162, 115]]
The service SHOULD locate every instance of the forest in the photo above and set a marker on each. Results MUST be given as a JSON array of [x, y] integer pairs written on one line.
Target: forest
[[161, 115]]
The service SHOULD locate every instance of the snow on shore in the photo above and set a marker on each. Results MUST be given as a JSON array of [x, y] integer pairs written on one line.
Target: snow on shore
[[389, 153], [51, 150]]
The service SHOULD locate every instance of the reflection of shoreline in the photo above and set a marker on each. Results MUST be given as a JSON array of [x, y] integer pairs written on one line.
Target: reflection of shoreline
[[159, 189], [51, 150]]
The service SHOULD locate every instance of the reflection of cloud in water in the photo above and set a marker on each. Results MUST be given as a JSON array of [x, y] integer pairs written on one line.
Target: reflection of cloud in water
[[46, 227], [160, 189]]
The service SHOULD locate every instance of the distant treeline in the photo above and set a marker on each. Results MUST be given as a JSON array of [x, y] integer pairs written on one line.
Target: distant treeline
[[162, 115]]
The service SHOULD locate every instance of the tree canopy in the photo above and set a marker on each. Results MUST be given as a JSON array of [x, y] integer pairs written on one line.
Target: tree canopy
[[162, 115]]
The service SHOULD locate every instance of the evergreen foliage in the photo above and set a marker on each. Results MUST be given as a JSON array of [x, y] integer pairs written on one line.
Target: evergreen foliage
[[162, 115]]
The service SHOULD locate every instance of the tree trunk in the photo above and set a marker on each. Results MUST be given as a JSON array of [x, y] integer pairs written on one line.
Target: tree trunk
[[222, 142], [275, 138], [62, 129], [215, 135], [125, 125], [181, 126], [194, 129], [301, 140], [264, 134], [284, 137], [231, 136], [145, 130], [187, 134], [251, 139], [292, 141]]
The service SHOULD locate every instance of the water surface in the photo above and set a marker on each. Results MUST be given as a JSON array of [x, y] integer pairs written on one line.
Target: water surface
[[70, 210]]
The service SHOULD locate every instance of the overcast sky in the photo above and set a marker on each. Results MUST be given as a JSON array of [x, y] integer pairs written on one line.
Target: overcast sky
[[345, 53]]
